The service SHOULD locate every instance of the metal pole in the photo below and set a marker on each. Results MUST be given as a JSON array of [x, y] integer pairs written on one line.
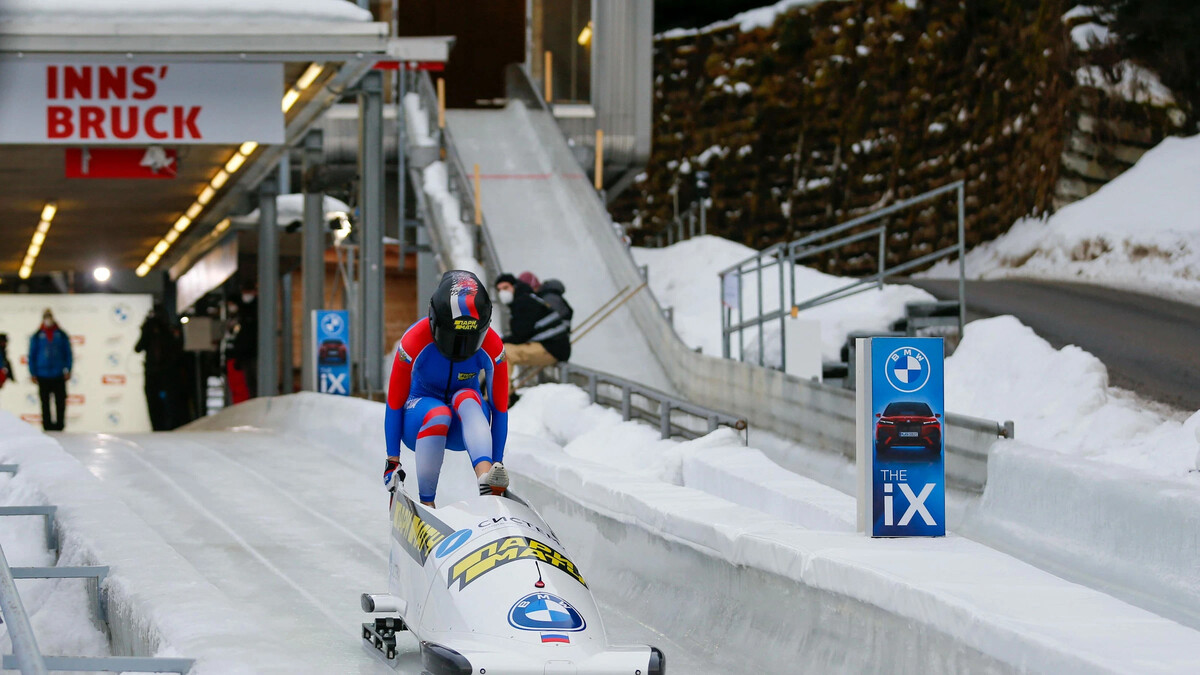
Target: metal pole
[[741, 318], [268, 288], [882, 254], [312, 268], [401, 156], [24, 644], [285, 174], [782, 316], [762, 356], [285, 334], [703, 216], [370, 106], [724, 319], [962, 264]]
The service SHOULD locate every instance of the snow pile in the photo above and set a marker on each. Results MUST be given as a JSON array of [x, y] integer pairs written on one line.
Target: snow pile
[[417, 121], [289, 209], [1141, 232], [1060, 399], [684, 276], [239, 11], [760, 17], [459, 235], [1134, 82]]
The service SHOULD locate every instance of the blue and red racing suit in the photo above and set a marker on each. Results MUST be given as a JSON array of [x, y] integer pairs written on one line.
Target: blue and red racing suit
[[434, 403]]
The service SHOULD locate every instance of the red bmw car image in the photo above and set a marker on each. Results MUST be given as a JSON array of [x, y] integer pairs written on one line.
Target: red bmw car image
[[332, 353], [908, 425]]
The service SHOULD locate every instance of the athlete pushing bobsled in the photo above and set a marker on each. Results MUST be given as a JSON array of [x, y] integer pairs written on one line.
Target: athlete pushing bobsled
[[436, 395]]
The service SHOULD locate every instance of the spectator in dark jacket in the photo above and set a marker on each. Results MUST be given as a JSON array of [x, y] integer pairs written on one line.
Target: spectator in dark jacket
[[50, 362], [6, 372], [537, 336], [155, 341], [552, 291]]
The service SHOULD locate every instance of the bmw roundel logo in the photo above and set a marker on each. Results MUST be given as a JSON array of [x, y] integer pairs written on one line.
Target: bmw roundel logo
[[452, 543], [545, 611], [331, 323], [907, 369], [121, 313]]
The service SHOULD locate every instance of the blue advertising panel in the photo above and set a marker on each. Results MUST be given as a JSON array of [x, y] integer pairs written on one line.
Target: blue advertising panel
[[333, 351], [906, 420]]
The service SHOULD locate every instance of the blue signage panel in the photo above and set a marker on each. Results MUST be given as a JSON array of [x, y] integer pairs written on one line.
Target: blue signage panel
[[333, 351], [907, 421]]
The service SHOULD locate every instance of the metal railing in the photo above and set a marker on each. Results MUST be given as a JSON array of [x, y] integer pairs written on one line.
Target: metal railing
[[784, 257], [674, 416], [27, 657]]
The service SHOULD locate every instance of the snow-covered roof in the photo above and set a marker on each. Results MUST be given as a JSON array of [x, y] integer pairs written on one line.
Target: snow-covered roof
[[290, 209], [140, 11]]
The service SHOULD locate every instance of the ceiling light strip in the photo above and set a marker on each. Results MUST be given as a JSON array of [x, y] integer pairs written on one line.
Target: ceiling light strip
[[38, 240]]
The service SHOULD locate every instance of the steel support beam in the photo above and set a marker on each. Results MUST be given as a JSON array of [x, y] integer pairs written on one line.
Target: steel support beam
[[401, 161], [313, 259], [268, 288], [371, 228], [26, 654], [288, 383]]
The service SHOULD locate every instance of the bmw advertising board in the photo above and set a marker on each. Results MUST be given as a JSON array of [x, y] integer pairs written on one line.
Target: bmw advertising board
[[332, 343], [901, 442]]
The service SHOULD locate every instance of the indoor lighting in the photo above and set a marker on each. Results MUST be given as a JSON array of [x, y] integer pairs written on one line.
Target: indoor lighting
[[161, 247], [142, 270], [219, 179], [205, 195], [309, 76], [172, 235], [38, 239], [222, 226], [152, 258], [184, 319], [585, 35], [101, 274], [182, 224], [289, 99], [235, 163], [247, 148], [194, 210]]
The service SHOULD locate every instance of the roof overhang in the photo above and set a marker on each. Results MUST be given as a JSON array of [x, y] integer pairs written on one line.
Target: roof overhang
[[208, 41]]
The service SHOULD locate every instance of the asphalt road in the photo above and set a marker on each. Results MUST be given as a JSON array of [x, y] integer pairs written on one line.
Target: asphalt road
[[1151, 346]]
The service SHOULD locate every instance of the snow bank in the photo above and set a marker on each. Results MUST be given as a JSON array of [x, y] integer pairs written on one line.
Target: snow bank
[[460, 238], [1060, 399], [1141, 232], [684, 276], [760, 17], [240, 11], [158, 604], [984, 601], [289, 209]]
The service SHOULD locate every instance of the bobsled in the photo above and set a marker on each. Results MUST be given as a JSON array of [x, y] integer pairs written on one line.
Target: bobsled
[[487, 588]]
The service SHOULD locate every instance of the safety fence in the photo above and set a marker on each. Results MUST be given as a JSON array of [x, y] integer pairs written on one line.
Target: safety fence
[[27, 656]]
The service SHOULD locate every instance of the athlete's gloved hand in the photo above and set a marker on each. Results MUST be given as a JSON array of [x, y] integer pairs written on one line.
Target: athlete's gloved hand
[[393, 475]]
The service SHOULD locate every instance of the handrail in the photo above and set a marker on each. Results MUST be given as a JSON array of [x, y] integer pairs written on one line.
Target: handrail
[[785, 256], [20, 631]]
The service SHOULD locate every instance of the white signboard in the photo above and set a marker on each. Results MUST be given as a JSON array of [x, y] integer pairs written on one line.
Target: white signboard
[[105, 392], [121, 102]]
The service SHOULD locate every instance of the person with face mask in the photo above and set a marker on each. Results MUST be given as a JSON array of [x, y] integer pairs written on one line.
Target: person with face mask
[[50, 361], [537, 335], [449, 390]]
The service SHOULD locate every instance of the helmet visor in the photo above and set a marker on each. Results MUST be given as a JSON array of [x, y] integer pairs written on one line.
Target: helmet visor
[[458, 345]]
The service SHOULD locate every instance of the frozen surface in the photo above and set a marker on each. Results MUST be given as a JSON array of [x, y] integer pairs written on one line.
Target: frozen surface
[[1060, 400], [191, 10], [542, 214], [435, 182], [684, 276], [1141, 231]]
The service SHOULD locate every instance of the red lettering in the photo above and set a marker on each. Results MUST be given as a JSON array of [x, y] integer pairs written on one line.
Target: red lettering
[[151, 130], [112, 82], [117, 130], [187, 123], [52, 82], [58, 122], [77, 82], [143, 77], [91, 119]]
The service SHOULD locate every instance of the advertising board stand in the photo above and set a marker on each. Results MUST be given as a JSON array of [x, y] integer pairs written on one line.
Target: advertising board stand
[[331, 350], [900, 427]]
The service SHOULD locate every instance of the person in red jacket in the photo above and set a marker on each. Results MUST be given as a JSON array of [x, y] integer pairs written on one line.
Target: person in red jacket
[[449, 390]]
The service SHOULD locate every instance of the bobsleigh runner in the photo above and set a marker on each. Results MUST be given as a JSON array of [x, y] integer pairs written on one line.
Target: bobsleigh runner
[[487, 588]]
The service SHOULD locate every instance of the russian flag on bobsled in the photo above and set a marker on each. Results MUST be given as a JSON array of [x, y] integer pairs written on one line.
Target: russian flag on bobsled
[[486, 587]]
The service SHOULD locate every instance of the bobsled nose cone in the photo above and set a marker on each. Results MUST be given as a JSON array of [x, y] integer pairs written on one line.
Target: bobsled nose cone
[[495, 481]]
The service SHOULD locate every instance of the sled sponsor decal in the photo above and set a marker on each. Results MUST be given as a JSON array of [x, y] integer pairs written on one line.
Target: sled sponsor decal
[[416, 530], [501, 520], [112, 379], [545, 611], [453, 543], [560, 639], [500, 552]]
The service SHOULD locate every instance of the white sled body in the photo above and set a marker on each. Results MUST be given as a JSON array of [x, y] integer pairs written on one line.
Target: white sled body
[[486, 586]]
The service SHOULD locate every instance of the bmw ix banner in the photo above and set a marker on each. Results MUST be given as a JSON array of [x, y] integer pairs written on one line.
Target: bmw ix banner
[[901, 420], [332, 343]]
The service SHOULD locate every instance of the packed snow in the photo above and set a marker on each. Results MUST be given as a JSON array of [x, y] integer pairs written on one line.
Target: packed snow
[[684, 276], [436, 183], [760, 17], [1060, 400], [240, 11], [289, 209], [1140, 232]]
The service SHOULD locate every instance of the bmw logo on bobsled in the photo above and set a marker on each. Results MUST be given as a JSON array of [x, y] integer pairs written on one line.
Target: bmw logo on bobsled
[[485, 586]]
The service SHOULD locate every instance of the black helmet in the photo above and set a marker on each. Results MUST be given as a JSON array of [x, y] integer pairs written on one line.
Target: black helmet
[[459, 314]]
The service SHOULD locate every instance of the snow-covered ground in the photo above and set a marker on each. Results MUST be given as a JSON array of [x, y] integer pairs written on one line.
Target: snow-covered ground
[[1139, 232], [684, 276], [759, 17]]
